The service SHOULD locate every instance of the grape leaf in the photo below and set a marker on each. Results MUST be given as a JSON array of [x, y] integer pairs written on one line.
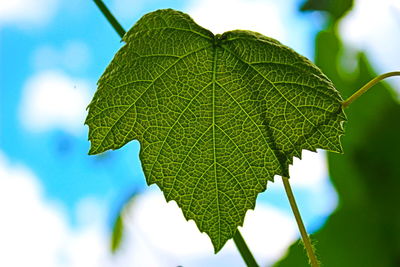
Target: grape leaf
[[217, 116]]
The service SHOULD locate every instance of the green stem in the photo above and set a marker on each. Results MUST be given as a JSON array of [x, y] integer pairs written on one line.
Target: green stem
[[244, 250], [365, 88], [110, 17], [300, 224]]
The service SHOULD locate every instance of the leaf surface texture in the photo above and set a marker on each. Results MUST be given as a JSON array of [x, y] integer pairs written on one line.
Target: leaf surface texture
[[217, 116]]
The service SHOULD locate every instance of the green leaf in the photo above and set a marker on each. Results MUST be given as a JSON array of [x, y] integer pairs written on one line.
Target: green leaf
[[118, 227], [217, 116], [335, 8], [116, 237]]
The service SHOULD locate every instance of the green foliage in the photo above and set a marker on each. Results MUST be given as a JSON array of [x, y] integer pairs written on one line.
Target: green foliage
[[116, 237], [365, 229], [335, 8], [118, 227], [217, 116]]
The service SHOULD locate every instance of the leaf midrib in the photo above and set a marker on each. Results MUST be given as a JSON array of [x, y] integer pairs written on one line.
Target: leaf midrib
[[214, 80]]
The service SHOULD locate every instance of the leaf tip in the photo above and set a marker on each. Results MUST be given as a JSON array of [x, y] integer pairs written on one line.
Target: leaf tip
[[93, 150]]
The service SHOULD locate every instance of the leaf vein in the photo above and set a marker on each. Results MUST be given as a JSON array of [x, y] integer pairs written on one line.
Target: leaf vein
[[144, 91]]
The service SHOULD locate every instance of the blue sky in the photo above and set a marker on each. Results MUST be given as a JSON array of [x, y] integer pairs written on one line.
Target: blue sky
[[51, 54]]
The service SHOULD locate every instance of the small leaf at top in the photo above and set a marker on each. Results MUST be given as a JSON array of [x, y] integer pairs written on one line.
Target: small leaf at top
[[217, 116]]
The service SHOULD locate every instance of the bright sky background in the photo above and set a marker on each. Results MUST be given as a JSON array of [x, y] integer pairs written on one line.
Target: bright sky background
[[57, 204]]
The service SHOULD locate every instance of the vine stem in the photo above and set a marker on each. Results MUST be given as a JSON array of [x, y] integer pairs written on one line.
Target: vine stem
[[244, 250], [366, 87], [110, 17], [300, 224]]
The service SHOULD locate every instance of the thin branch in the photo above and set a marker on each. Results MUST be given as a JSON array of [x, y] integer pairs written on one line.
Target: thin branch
[[365, 88], [244, 250], [110, 17], [300, 224]]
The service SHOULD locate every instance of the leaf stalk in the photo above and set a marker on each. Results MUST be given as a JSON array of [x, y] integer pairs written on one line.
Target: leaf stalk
[[367, 86], [304, 236], [244, 250], [110, 17]]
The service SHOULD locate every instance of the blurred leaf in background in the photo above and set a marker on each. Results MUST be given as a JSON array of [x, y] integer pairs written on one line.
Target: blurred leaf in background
[[335, 8], [118, 230], [365, 228]]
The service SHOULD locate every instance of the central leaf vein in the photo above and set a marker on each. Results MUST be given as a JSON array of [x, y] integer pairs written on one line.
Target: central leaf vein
[[214, 147]]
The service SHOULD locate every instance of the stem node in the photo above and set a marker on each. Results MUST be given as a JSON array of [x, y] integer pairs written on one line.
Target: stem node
[[366, 87]]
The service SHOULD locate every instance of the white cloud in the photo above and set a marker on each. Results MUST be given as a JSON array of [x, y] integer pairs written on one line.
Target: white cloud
[[269, 232], [225, 15], [22, 213], [51, 99], [162, 237], [35, 231], [87, 247], [373, 26], [73, 56], [310, 171], [27, 13]]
